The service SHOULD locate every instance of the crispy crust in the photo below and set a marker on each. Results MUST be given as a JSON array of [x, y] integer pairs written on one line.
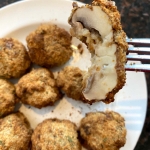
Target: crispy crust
[[54, 134], [15, 132], [99, 130], [7, 97], [49, 45], [38, 88], [70, 81], [14, 59], [119, 40]]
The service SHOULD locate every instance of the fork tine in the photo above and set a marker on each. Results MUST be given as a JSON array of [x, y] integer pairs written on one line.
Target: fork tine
[[139, 50], [138, 67], [139, 42], [138, 57]]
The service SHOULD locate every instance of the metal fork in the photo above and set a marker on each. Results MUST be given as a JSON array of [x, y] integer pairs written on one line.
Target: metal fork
[[139, 50]]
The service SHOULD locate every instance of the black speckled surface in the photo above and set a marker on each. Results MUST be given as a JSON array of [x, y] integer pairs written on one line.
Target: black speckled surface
[[135, 16]]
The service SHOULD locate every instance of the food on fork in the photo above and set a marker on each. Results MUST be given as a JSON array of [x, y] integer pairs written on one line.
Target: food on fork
[[15, 132], [103, 130], [14, 59], [7, 97], [98, 26], [49, 45], [70, 82], [55, 134], [38, 88]]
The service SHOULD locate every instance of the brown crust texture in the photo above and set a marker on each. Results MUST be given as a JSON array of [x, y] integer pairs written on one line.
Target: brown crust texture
[[70, 81], [49, 45], [103, 130], [54, 134], [14, 59], [15, 132], [119, 39], [38, 88], [7, 97]]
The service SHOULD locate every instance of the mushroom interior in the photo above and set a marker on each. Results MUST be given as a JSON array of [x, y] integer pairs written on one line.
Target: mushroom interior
[[93, 26]]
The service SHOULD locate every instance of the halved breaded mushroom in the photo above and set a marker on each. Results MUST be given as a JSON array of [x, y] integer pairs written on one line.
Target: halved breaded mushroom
[[98, 26]]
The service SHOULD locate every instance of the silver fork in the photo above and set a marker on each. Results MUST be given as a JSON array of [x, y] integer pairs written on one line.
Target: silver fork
[[139, 50]]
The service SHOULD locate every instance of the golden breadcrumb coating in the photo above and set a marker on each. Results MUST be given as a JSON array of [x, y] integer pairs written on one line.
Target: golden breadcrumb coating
[[70, 81], [49, 45], [99, 130], [15, 132], [54, 134], [38, 88], [82, 27], [7, 97], [14, 59]]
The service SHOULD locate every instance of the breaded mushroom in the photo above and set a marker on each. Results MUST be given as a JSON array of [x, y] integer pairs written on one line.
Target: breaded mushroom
[[15, 132], [99, 27], [14, 59], [54, 134], [103, 131], [7, 97], [38, 88], [49, 45], [70, 81]]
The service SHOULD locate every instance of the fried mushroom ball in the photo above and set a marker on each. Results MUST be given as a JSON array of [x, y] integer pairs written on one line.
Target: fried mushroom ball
[[99, 27], [38, 88], [14, 59], [15, 132], [49, 45], [54, 134], [103, 131], [7, 97], [70, 81]]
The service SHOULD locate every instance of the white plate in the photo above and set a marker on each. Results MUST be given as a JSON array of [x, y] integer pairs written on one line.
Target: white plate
[[19, 19]]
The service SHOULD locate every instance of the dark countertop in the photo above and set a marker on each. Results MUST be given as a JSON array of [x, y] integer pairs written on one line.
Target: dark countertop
[[136, 23]]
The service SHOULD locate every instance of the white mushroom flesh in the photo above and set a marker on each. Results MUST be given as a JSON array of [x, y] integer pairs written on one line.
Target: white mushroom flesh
[[101, 77]]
